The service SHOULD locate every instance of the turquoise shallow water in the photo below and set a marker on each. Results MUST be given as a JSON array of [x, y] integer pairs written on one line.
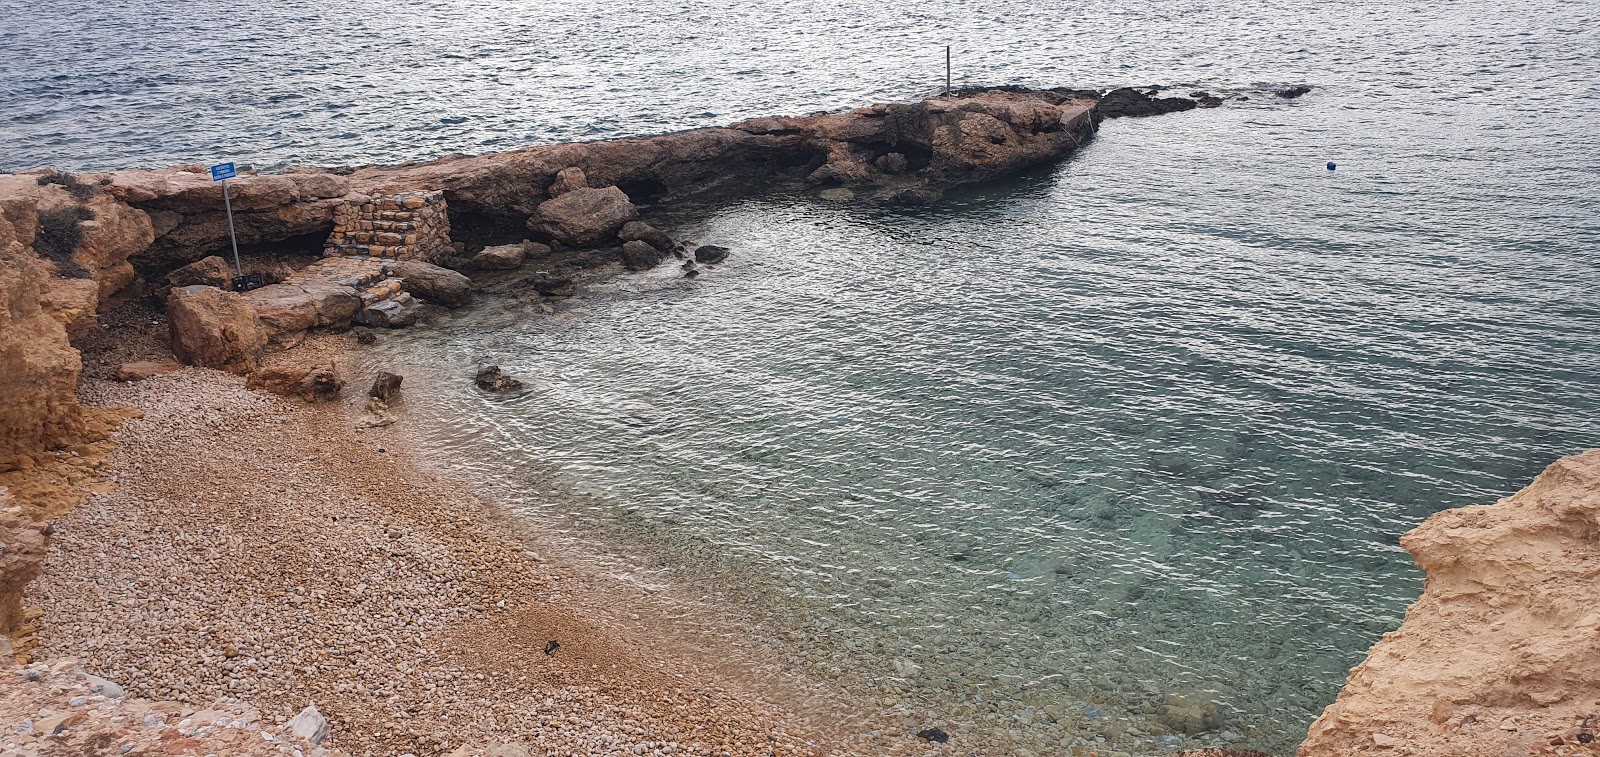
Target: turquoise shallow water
[[1032, 461], [1049, 454]]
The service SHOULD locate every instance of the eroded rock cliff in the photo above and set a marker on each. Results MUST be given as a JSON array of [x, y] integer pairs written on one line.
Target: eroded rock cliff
[[1501, 655]]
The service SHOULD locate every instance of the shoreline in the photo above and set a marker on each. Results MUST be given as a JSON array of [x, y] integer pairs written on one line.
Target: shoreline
[[465, 607]]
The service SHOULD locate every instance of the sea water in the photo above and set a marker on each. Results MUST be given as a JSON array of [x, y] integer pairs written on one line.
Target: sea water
[[1135, 432]]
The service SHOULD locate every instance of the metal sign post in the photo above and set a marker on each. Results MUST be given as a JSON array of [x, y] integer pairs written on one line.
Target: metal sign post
[[223, 173]]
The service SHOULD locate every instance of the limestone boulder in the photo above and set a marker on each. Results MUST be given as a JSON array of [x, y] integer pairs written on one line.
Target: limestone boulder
[[210, 271], [585, 217], [502, 257], [289, 310], [433, 283], [397, 312], [568, 179], [313, 384], [215, 329], [643, 232]]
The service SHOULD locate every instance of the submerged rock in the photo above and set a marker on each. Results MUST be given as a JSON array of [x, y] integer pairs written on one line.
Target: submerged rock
[[490, 378], [385, 386], [554, 285], [1129, 102], [644, 232], [639, 255], [710, 253], [1293, 92]]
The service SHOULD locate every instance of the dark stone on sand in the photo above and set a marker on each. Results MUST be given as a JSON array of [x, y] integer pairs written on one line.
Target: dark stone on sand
[[552, 647], [935, 734], [491, 379], [366, 336], [710, 253]]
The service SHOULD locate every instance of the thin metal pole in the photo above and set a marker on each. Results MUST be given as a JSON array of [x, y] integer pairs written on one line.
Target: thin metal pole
[[948, 69], [237, 267]]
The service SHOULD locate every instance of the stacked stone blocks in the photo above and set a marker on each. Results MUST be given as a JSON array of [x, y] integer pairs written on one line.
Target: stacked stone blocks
[[407, 226]]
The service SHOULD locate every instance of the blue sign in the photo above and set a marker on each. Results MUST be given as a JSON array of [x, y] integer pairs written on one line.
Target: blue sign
[[223, 171]]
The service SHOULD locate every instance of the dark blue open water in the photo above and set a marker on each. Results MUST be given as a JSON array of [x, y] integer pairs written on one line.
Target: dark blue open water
[[1034, 461]]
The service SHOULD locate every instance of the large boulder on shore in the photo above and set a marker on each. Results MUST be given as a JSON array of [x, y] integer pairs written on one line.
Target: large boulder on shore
[[638, 255], [288, 311], [585, 217], [432, 283], [215, 329], [644, 232]]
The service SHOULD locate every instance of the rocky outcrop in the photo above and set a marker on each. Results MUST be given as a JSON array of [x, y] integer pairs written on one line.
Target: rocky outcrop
[[585, 217], [22, 550], [215, 329], [38, 367], [500, 257], [432, 283], [1501, 655]]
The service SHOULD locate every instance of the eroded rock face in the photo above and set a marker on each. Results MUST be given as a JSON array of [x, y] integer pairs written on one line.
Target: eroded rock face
[[215, 329], [1502, 652], [22, 550], [585, 217], [38, 366]]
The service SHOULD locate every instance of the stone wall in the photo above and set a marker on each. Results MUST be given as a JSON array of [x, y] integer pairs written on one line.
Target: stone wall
[[406, 226]]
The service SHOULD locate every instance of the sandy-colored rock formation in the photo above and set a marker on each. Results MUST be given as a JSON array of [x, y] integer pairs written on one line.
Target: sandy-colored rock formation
[[215, 329], [22, 550], [1501, 655]]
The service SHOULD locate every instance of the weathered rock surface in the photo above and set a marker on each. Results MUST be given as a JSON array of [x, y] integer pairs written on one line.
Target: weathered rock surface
[[585, 217], [140, 370], [210, 271], [568, 179], [639, 255], [502, 257], [38, 366], [22, 551], [397, 312], [553, 284], [1501, 655], [433, 283], [84, 719], [310, 383], [289, 310], [215, 329], [644, 232]]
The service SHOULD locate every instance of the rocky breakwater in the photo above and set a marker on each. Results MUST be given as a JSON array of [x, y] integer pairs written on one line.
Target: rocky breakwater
[[1501, 655]]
